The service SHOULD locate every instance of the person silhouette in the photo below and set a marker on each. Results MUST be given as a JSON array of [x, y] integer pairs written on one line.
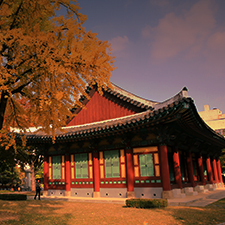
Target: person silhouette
[[38, 190]]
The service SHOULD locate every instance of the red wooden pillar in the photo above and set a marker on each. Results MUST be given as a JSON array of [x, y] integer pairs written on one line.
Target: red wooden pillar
[[201, 169], [68, 175], [209, 170], [164, 166], [190, 169], [130, 173], [96, 175], [177, 172], [46, 174], [215, 170], [219, 171]]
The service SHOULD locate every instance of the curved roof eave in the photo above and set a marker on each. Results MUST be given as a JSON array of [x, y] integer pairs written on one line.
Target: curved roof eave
[[178, 104], [198, 126]]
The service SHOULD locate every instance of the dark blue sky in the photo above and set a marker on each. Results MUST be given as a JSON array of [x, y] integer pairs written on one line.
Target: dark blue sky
[[163, 45]]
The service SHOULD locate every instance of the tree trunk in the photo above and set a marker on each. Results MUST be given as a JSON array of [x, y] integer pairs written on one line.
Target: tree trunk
[[3, 104], [32, 177]]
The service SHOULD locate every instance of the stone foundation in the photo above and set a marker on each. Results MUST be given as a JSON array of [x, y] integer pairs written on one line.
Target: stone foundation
[[148, 192], [201, 189], [177, 193], [189, 191], [113, 192], [45, 193], [220, 185], [56, 192], [167, 194], [210, 187], [67, 193], [82, 192]]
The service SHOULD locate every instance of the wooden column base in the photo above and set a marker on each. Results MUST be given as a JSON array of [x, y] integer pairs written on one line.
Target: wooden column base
[[130, 194], [96, 194], [220, 185], [167, 194], [67, 193]]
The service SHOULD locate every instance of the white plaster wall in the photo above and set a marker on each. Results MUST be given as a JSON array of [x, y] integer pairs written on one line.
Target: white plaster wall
[[81, 192], [53, 192], [113, 192], [148, 192]]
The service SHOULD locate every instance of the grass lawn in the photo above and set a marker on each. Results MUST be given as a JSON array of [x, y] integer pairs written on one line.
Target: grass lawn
[[63, 212]]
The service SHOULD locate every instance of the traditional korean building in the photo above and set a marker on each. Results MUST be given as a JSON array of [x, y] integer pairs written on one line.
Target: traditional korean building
[[121, 145]]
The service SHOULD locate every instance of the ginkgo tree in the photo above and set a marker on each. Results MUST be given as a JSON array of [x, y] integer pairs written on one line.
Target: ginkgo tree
[[46, 62]]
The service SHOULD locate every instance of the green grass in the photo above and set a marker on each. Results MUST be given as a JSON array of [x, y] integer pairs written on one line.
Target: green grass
[[13, 197], [220, 203], [63, 212], [199, 215], [28, 193], [146, 203], [5, 191]]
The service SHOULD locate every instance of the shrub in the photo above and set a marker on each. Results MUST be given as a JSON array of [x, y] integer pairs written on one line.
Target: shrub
[[11, 197], [146, 203]]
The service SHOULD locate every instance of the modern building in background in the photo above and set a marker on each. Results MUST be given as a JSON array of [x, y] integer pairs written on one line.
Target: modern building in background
[[121, 145], [214, 118]]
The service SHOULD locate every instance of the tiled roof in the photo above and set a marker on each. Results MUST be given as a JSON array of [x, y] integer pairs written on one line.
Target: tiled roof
[[117, 123], [131, 98]]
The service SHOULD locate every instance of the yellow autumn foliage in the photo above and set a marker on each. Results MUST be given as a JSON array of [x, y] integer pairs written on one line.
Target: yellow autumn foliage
[[46, 61]]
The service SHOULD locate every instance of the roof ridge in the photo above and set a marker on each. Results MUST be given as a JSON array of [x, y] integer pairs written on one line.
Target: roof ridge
[[181, 94], [130, 95]]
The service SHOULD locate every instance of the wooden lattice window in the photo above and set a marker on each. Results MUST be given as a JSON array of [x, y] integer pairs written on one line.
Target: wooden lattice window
[[146, 165], [81, 165], [56, 167], [112, 164]]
